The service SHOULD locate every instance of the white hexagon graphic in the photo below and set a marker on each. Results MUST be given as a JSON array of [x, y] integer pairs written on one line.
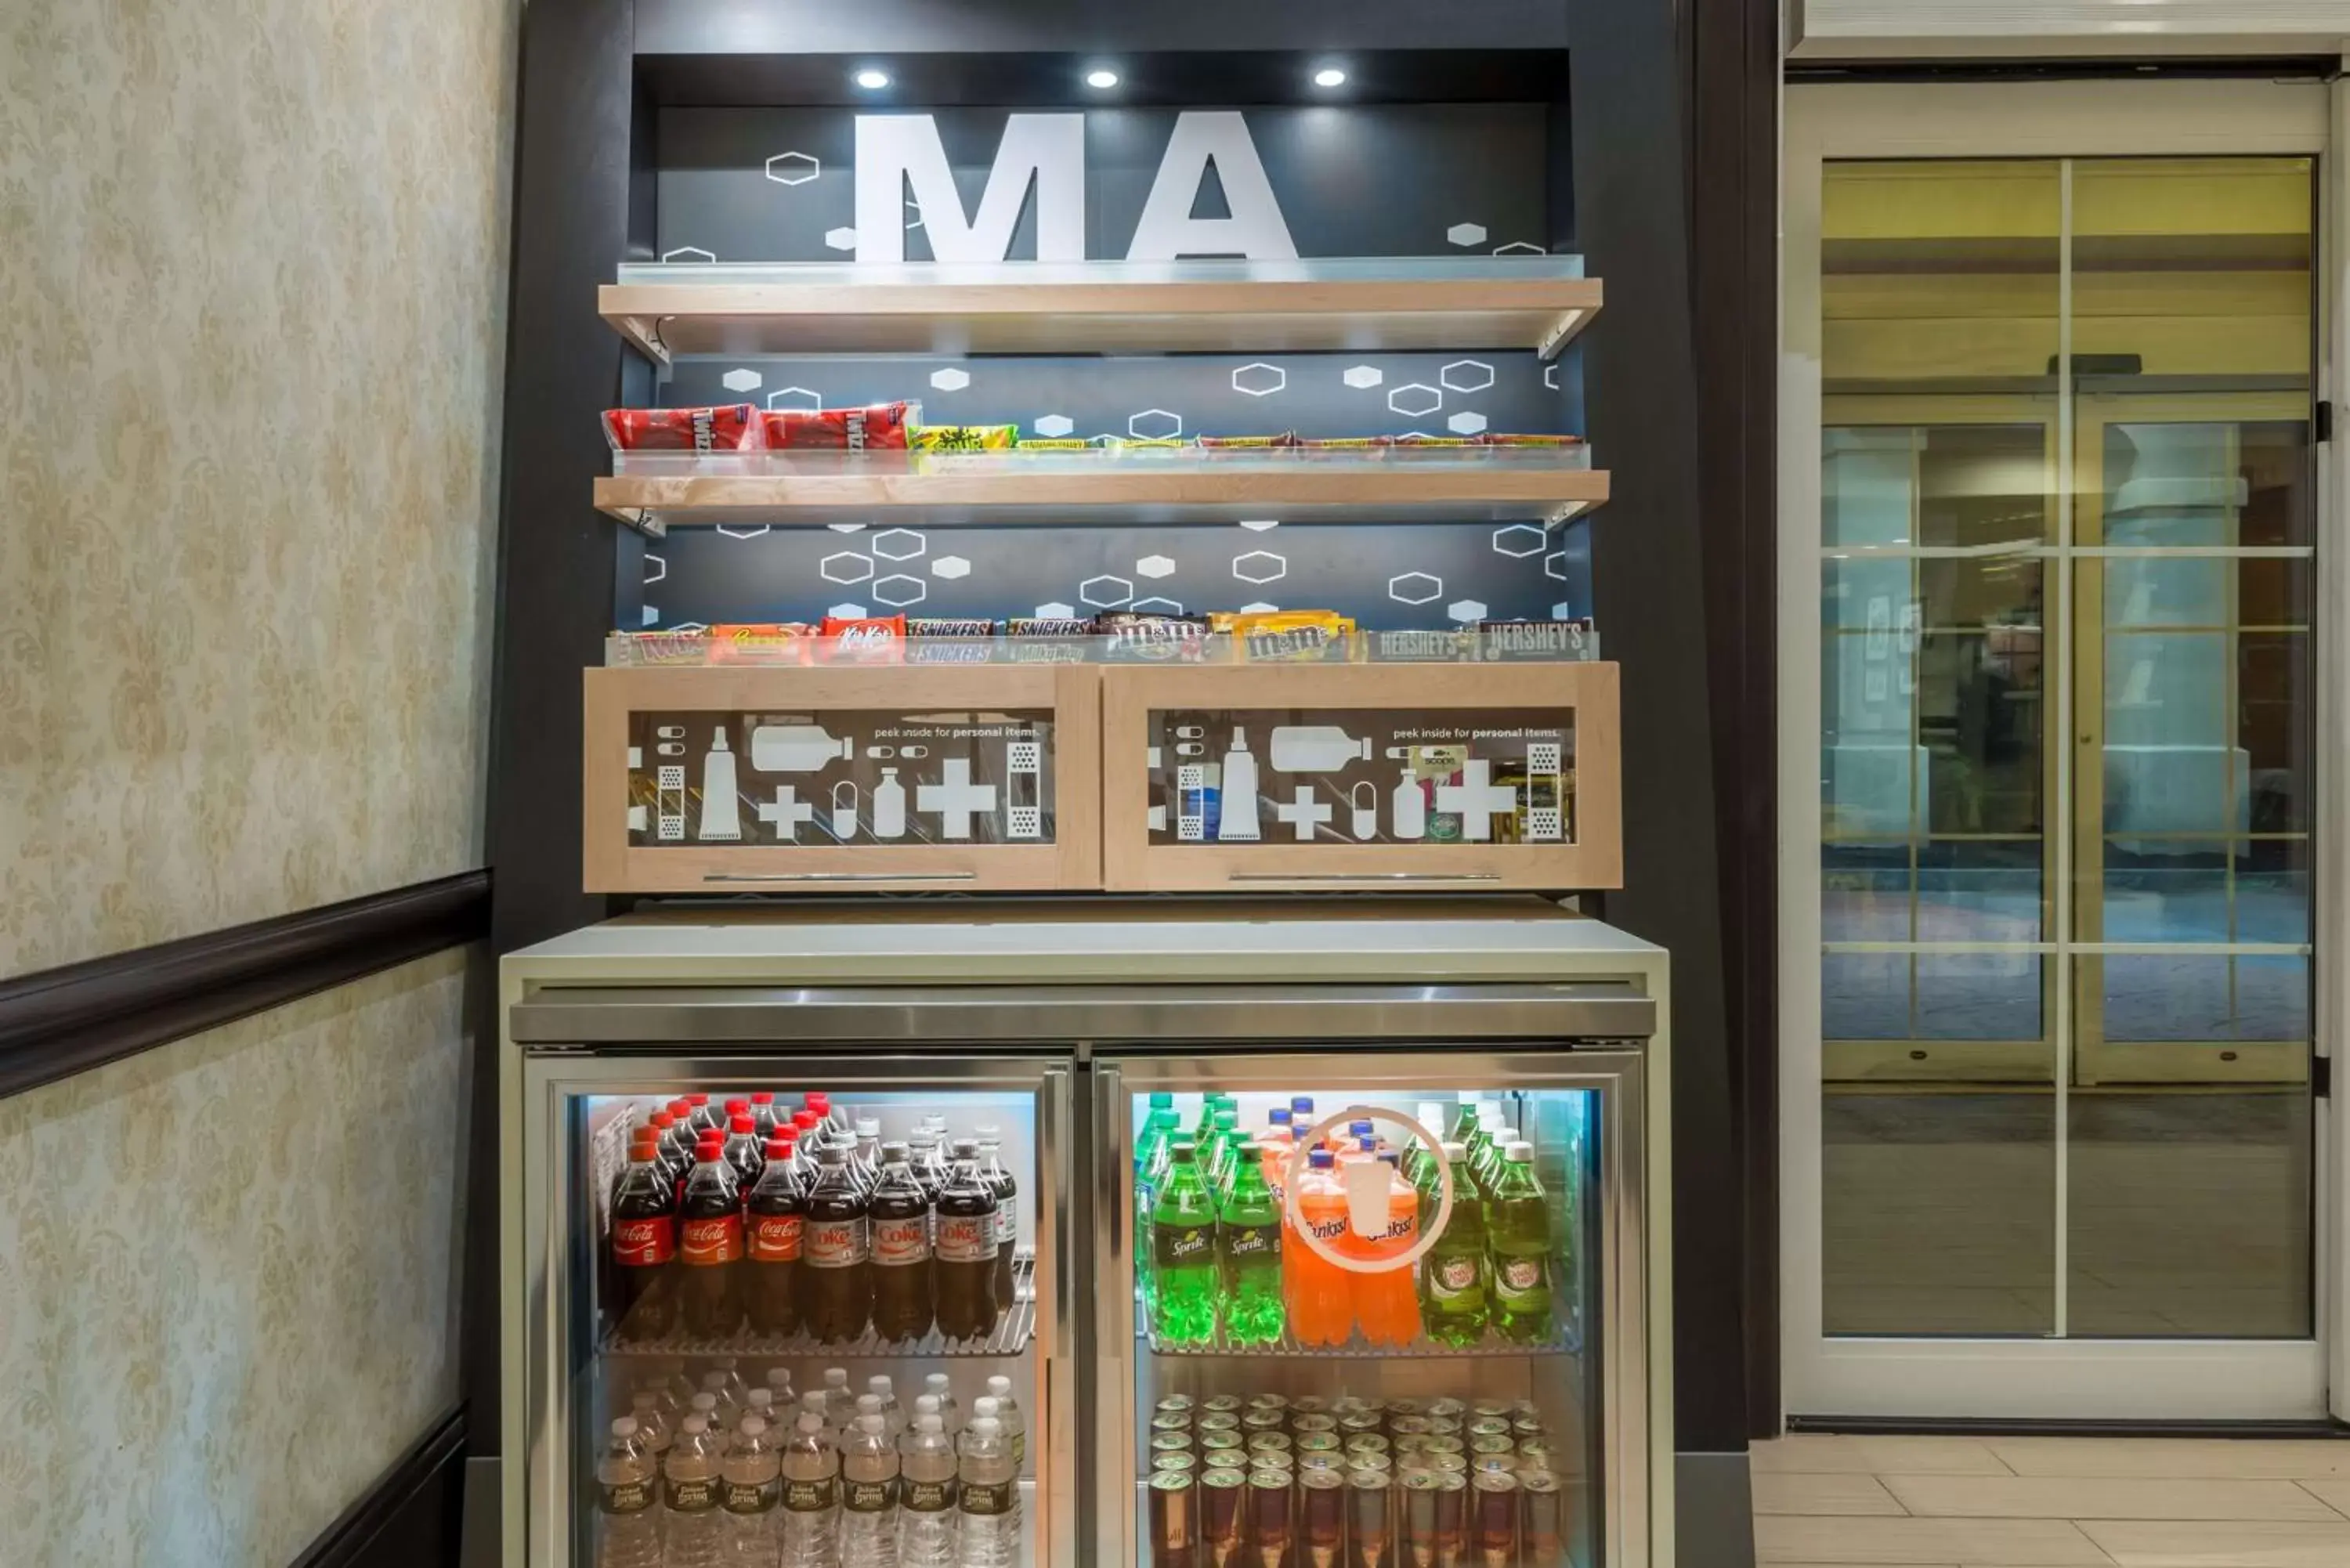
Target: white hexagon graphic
[[741, 381], [651, 561], [1157, 607], [1554, 566], [846, 527], [1056, 425], [806, 400], [898, 591], [1414, 399], [950, 567], [794, 168], [646, 615], [1164, 426], [1520, 248], [1466, 233], [852, 567], [1562, 612], [846, 612], [1104, 593], [1550, 375], [1465, 423], [949, 380], [1466, 609], [1260, 525], [687, 254], [899, 544], [1363, 376], [744, 530], [1260, 566], [1520, 540], [1415, 588], [1465, 376], [1056, 611], [1260, 380], [1154, 566], [840, 239], [1259, 606]]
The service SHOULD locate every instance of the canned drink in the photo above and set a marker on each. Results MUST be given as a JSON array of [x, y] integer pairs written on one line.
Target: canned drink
[[1413, 1407], [1502, 1445], [1317, 1443], [1272, 1518], [1536, 1453], [1406, 1445], [1222, 1405], [1170, 1442], [1492, 1407], [1494, 1519], [1220, 1443], [1171, 1421], [1541, 1518], [1451, 1521], [1174, 1520], [1448, 1464], [1323, 1500], [1446, 1409], [1309, 1404], [1407, 1425], [1366, 1443], [1369, 1528], [1264, 1443], [1220, 1493], [1445, 1426], [1489, 1426], [1264, 1418], [1217, 1421], [1501, 1464], [1347, 1405], [1363, 1421], [1526, 1426], [1336, 1463], [1270, 1401], [1174, 1405], [1525, 1408], [1175, 1462], [1444, 1443], [1312, 1421]]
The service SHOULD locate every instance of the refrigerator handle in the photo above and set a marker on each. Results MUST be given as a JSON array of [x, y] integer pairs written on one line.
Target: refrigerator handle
[[1113, 1275], [1059, 1474]]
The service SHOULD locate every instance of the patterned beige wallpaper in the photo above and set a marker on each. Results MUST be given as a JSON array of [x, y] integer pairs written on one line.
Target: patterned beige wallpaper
[[253, 264], [228, 1273]]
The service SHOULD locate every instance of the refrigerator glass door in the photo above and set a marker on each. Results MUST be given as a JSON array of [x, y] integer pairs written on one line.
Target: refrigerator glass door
[[780, 1310], [1349, 1353]]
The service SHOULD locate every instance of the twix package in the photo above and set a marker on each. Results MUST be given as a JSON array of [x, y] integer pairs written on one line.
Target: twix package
[[730, 427], [1293, 637], [877, 427]]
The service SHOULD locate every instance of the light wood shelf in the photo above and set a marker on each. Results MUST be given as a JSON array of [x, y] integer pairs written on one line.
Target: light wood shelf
[[1104, 308]]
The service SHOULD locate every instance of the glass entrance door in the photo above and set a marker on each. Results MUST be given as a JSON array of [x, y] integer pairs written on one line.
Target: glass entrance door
[[2065, 733]]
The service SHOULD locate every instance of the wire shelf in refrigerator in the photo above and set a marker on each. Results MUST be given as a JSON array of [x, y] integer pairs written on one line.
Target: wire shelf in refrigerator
[[1013, 1329], [1563, 1340]]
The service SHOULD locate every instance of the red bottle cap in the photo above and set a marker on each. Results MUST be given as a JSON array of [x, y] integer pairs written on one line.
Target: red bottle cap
[[738, 1108], [819, 1101], [742, 1126], [680, 1107], [710, 1147], [697, 1101], [779, 1149], [763, 1098], [805, 1119], [662, 1121]]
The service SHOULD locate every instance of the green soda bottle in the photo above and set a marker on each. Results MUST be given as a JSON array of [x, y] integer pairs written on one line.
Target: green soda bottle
[[1455, 1299], [1183, 1253], [1464, 1123], [1209, 1104], [1518, 1241], [1150, 1149], [1248, 1252], [1221, 1141]]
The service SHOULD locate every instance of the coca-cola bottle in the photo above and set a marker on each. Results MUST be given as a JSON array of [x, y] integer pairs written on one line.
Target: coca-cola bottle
[[901, 1250], [776, 1234], [964, 1266], [762, 1116], [704, 1117], [644, 1245], [1007, 1230], [819, 1102], [744, 1152], [837, 1294], [679, 1144], [709, 1245]]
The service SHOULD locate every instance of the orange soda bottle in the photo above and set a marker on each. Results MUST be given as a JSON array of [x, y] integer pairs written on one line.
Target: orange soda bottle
[[1387, 1307], [1322, 1306]]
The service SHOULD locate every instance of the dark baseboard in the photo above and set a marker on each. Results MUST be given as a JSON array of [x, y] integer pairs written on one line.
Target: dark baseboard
[[1714, 1511], [412, 1517], [1975, 1426], [57, 1022]]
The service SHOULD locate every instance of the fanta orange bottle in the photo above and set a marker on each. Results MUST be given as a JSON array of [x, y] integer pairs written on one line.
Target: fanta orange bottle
[[1322, 1311], [1387, 1307]]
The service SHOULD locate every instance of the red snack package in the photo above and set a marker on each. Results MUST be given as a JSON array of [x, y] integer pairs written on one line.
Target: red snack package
[[878, 427], [872, 640], [732, 427]]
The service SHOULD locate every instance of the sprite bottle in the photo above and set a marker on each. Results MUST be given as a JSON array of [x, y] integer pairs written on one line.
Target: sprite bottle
[[1518, 1242], [1183, 1253], [1455, 1302], [1217, 1150], [1150, 1148], [1248, 1250]]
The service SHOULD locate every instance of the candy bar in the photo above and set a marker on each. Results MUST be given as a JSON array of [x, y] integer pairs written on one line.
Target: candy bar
[[1136, 634], [1055, 444], [1048, 626], [770, 642], [965, 438], [1505, 641], [969, 625], [1245, 443], [731, 427], [878, 427], [1288, 637], [1421, 646], [867, 639], [1552, 442], [640, 649]]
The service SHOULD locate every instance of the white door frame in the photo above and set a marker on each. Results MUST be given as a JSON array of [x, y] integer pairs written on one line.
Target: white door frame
[[2147, 1380]]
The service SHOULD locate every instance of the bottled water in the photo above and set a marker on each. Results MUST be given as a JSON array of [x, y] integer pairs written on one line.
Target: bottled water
[[753, 1487], [726, 1394], [627, 1486], [1016, 1425], [653, 1429], [866, 1405], [838, 1399], [694, 1527], [926, 1486], [987, 1504], [893, 1420], [779, 1383], [761, 1404], [811, 1497], [869, 1494], [938, 1387]]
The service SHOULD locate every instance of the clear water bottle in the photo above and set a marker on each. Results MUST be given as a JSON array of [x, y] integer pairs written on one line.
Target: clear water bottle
[[694, 1529], [726, 1393], [1016, 1425], [753, 1488], [926, 1492], [893, 1420], [869, 1494], [654, 1428], [761, 1404], [811, 1497], [938, 1387], [628, 1485], [839, 1399], [779, 1383], [987, 1501]]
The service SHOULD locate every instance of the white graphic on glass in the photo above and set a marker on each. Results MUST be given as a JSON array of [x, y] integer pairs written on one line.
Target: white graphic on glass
[[955, 798], [1303, 812], [888, 806], [1477, 798], [1024, 774], [1191, 803], [722, 820], [1315, 749], [1236, 817], [844, 810], [786, 812], [1365, 800], [668, 802], [796, 748], [1407, 817], [1545, 777]]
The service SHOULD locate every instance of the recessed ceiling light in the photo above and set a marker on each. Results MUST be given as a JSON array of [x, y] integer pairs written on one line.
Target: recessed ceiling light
[[872, 80], [1101, 78], [1329, 76]]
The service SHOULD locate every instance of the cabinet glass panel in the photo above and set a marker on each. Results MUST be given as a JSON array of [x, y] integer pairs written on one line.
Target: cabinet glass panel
[[1343, 1355], [734, 1325]]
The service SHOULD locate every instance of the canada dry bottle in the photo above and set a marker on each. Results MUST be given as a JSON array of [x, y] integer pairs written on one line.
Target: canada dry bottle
[[774, 1225], [868, 1495], [754, 1490], [690, 1496], [628, 1487], [709, 1245], [966, 1265], [1454, 1273], [837, 1294], [644, 1244], [901, 1250], [1517, 1237], [811, 1497], [926, 1488]]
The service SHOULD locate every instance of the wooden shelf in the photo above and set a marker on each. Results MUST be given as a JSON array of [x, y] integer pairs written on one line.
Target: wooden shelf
[[1485, 488], [1104, 308]]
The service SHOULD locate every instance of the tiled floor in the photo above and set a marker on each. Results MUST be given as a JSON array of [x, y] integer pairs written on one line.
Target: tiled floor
[[2050, 1502]]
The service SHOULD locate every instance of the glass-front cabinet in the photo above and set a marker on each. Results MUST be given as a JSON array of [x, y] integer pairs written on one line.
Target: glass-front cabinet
[[1373, 1309]]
